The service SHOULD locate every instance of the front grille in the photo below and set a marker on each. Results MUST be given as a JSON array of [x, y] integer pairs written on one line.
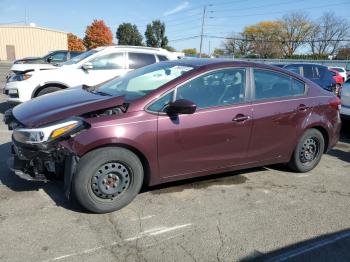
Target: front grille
[[13, 95]]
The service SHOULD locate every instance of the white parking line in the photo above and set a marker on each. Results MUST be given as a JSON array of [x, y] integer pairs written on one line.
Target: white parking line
[[150, 232]]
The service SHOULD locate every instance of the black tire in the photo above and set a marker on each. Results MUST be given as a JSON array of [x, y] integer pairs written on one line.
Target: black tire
[[96, 167], [308, 152], [48, 90]]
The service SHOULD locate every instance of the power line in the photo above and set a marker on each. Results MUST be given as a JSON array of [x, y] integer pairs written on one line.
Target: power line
[[256, 7], [269, 13]]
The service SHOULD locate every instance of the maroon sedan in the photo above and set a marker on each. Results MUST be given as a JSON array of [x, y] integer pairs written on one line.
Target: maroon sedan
[[170, 121]]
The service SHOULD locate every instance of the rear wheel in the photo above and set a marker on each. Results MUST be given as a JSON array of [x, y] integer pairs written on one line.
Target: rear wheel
[[308, 152], [48, 90], [107, 179]]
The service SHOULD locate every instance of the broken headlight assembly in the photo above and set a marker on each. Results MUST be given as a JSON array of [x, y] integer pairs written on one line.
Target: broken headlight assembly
[[50, 133]]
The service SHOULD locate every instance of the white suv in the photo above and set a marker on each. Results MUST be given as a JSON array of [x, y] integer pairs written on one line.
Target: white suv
[[90, 68]]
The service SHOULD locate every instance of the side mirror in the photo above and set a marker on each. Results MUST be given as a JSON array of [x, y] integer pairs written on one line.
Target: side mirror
[[87, 66], [181, 106], [49, 59]]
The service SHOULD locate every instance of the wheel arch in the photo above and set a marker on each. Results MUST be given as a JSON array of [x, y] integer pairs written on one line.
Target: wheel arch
[[324, 133], [40, 88], [137, 152]]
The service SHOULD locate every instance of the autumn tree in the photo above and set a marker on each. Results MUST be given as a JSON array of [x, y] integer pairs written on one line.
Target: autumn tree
[[128, 34], [264, 39], [155, 34], [75, 43], [295, 28], [97, 34], [327, 34]]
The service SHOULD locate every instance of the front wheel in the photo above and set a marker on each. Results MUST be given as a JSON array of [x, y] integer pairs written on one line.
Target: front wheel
[[107, 179], [308, 152], [48, 90]]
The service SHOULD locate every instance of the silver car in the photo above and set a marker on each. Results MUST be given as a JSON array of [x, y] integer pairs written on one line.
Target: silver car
[[345, 100]]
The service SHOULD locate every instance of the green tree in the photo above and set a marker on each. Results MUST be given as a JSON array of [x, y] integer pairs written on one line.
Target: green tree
[[190, 52], [128, 34], [218, 52], [155, 34]]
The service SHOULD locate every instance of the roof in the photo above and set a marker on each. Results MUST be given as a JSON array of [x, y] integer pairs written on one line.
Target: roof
[[34, 27]]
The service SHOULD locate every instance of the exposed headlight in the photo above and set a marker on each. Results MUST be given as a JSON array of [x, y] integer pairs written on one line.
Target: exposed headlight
[[48, 133], [18, 77]]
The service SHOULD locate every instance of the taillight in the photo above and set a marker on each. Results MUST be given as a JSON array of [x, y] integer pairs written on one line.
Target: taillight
[[335, 103]]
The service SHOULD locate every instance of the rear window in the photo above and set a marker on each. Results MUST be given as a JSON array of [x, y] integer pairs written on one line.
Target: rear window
[[312, 72], [137, 60], [341, 70], [162, 58]]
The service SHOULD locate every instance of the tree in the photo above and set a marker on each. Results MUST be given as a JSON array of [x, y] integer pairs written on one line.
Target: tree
[[97, 34], [343, 53], [327, 34], [155, 34], [190, 52], [218, 52], [264, 39], [75, 43], [295, 30], [128, 34], [237, 45], [170, 48]]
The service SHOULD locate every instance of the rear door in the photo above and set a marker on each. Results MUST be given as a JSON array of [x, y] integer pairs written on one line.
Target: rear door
[[280, 106], [216, 135]]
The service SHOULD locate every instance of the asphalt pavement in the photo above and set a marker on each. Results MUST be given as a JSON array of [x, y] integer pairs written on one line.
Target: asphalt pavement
[[260, 214]]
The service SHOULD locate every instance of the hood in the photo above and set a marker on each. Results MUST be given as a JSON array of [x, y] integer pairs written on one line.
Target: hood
[[31, 67], [31, 60], [62, 104]]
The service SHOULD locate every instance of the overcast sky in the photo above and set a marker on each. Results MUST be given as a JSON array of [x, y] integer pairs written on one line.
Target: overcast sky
[[183, 18]]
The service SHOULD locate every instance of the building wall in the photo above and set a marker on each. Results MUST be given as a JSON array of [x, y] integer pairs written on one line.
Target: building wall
[[31, 41]]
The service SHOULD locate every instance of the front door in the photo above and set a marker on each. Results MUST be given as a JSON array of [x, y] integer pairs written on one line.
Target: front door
[[216, 135], [104, 68]]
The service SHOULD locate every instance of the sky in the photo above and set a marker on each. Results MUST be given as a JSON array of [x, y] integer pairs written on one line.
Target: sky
[[183, 18]]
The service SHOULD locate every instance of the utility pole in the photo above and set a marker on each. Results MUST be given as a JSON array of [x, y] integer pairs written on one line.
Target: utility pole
[[209, 49], [25, 16], [202, 31]]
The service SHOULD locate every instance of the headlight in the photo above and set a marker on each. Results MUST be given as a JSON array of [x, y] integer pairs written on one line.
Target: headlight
[[48, 133], [18, 77]]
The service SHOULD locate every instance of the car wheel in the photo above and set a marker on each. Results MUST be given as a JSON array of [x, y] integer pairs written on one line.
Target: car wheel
[[107, 179], [308, 152], [48, 90]]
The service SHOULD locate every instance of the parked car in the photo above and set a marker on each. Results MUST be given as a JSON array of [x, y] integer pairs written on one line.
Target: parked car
[[90, 68], [319, 74], [338, 79], [345, 100], [170, 121], [54, 57], [341, 71]]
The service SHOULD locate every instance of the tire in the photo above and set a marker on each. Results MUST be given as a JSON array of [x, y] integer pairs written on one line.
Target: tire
[[303, 158], [48, 90], [116, 168]]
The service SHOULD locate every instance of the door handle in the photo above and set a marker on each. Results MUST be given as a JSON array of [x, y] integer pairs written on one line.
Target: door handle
[[240, 118], [302, 107]]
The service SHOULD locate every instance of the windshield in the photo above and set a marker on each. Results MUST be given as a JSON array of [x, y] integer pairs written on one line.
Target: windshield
[[80, 57], [140, 82]]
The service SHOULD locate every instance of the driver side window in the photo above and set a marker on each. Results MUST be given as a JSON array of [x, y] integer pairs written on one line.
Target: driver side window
[[218, 88]]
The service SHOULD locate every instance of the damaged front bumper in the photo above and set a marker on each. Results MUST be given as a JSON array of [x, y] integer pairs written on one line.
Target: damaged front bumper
[[34, 164]]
